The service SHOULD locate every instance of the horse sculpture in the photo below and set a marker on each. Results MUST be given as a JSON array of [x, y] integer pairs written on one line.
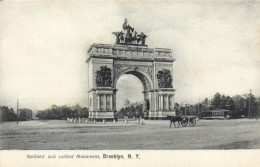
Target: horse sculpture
[[129, 36]]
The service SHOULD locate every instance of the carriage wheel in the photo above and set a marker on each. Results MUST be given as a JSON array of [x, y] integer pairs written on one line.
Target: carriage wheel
[[185, 121], [192, 122]]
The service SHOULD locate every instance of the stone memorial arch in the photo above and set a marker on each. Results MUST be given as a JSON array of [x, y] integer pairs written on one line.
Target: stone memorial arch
[[130, 55]]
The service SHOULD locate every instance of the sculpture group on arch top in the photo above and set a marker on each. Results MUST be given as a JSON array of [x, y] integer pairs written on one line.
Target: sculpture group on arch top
[[129, 35]]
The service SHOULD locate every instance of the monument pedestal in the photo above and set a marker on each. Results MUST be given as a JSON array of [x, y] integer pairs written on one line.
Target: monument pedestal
[[102, 115], [103, 99], [164, 104]]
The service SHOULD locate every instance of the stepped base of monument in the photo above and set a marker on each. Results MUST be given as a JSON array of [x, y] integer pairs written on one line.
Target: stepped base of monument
[[100, 115], [158, 115], [110, 115]]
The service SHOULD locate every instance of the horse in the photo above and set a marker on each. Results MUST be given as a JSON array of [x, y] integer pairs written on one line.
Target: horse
[[174, 119]]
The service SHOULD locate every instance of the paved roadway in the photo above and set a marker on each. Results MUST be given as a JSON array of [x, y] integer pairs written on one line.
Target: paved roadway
[[153, 135]]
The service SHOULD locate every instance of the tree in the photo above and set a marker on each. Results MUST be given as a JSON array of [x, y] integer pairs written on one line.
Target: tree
[[182, 110], [191, 110], [131, 110], [258, 107], [7, 114], [121, 113], [206, 105], [229, 103], [198, 109], [251, 105], [205, 102], [216, 100], [139, 110], [62, 112], [84, 112], [223, 102], [239, 104], [177, 109], [25, 114]]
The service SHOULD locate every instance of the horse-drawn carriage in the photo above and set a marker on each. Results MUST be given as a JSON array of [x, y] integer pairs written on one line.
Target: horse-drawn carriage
[[183, 120]]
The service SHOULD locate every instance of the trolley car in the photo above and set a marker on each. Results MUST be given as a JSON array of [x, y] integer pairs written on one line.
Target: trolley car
[[216, 114]]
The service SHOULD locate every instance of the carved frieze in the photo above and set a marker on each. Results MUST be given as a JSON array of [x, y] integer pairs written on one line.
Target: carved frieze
[[146, 69], [118, 70], [149, 71]]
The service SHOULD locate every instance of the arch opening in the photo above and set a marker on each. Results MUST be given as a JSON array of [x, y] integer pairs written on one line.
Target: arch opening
[[129, 91], [143, 77], [132, 88]]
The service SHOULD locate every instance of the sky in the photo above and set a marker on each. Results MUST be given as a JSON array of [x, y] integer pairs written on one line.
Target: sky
[[43, 48]]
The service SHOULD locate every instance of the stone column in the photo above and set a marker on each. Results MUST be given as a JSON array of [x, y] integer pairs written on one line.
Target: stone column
[[101, 102], [144, 103], [114, 102], [111, 101], [107, 102], [163, 103], [173, 102], [167, 102], [162, 107], [104, 102], [154, 102], [159, 102], [98, 102]]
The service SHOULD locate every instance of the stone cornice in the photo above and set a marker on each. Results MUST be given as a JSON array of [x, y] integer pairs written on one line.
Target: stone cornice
[[129, 52], [102, 89], [161, 90], [131, 59]]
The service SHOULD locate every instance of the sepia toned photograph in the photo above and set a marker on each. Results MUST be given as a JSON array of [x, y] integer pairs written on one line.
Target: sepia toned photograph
[[119, 75]]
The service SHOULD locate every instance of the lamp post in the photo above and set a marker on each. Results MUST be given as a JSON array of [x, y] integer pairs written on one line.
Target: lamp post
[[185, 108], [199, 108], [185, 103], [17, 118], [256, 112], [249, 111]]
